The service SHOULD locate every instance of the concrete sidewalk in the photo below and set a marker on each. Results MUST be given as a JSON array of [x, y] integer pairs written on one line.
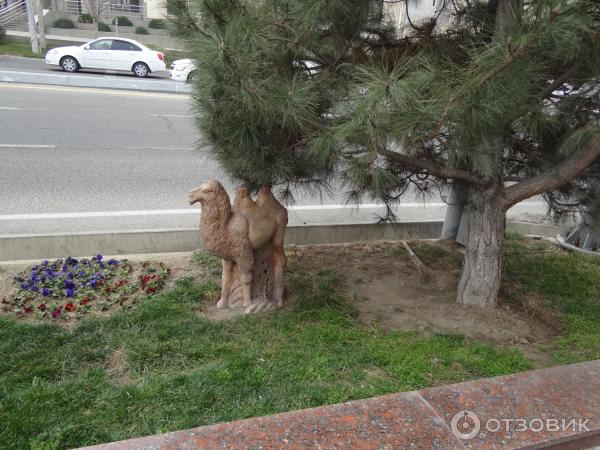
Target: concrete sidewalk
[[94, 81]]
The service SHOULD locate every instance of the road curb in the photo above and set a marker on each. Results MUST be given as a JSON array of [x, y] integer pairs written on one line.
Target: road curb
[[25, 247], [91, 81]]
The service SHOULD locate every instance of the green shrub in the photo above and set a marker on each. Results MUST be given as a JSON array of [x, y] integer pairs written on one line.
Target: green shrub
[[157, 24], [123, 21], [85, 18], [103, 27], [2, 34], [141, 30], [66, 24]]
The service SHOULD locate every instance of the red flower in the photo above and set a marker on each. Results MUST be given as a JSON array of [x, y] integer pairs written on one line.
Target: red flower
[[42, 307], [28, 309], [85, 301], [70, 307], [56, 313]]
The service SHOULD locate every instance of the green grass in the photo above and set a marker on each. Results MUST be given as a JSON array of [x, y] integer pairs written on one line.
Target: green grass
[[569, 282], [17, 49], [61, 388], [163, 367], [211, 264]]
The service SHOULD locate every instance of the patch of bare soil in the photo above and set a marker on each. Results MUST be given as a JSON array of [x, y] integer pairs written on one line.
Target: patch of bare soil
[[7, 274], [390, 292], [116, 365]]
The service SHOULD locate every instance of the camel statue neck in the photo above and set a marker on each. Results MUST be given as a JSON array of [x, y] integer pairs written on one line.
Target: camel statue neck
[[214, 216]]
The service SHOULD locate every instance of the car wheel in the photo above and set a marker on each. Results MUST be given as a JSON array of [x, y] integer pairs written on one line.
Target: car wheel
[[140, 70], [69, 64], [191, 76]]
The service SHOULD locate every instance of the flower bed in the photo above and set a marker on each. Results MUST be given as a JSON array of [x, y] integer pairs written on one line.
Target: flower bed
[[66, 287]]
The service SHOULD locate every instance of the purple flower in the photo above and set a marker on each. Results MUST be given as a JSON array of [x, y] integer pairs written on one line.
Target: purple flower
[[94, 283], [70, 275], [70, 292], [24, 286], [98, 257], [113, 262], [81, 273], [46, 292], [69, 284], [45, 262]]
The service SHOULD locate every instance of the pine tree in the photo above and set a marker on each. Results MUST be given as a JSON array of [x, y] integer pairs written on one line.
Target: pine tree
[[499, 97]]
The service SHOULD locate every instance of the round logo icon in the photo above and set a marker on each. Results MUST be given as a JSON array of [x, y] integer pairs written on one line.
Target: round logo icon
[[465, 425]]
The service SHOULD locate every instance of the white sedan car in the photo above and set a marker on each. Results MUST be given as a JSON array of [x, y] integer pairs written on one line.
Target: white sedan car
[[117, 54], [182, 69]]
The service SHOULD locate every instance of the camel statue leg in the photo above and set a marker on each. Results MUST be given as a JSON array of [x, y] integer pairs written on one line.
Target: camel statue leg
[[245, 264], [280, 261], [226, 281], [246, 280]]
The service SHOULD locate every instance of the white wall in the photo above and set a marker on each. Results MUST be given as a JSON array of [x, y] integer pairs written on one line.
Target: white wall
[[156, 9]]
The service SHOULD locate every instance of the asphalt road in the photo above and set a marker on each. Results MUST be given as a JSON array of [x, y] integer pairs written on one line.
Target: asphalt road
[[16, 63], [82, 160], [79, 160]]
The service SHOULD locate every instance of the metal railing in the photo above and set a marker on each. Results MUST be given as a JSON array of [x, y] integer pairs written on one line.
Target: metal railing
[[109, 9], [14, 16], [122, 7]]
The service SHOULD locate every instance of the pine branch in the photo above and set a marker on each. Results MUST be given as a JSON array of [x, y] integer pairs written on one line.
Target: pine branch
[[558, 175], [515, 55], [431, 167], [558, 82]]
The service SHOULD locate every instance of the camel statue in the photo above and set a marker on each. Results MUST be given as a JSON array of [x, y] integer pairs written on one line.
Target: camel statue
[[248, 236]]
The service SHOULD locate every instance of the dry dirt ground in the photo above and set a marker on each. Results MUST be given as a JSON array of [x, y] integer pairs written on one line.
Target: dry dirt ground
[[390, 291]]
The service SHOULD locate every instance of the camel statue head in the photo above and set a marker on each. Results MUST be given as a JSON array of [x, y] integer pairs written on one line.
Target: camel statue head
[[206, 192]]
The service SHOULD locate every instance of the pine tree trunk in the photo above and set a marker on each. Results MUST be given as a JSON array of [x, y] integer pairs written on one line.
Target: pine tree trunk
[[480, 278]]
